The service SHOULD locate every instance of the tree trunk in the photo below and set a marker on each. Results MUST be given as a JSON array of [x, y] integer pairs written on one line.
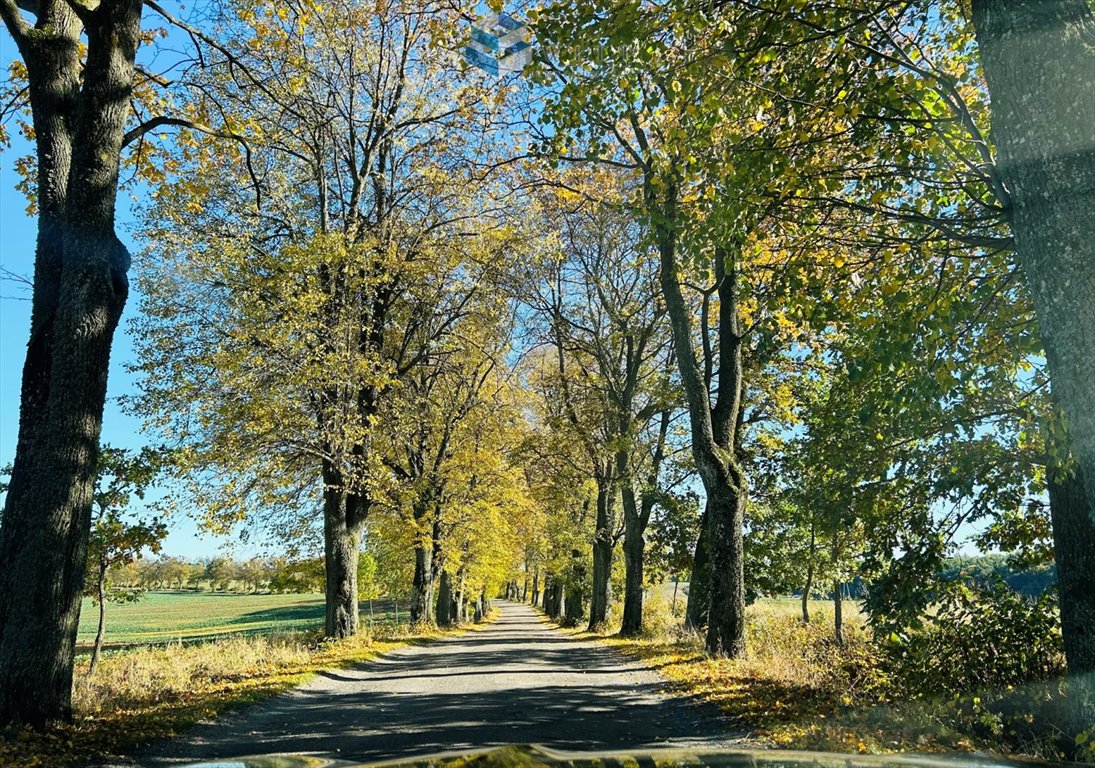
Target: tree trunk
[[536, 588], [808, 587], [101, 589], [726, 618], [79, 293], [676, 584], [557, 593], [444, 600], [715, 434], [632, 623], [573, 609], [699, 590], [461, 614], [1038, 57], [838, 612], [1073, 532], [421, 609], [341, 544], [602, 553]]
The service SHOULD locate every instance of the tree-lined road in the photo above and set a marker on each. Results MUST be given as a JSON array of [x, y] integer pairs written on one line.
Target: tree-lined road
[[515, 681]]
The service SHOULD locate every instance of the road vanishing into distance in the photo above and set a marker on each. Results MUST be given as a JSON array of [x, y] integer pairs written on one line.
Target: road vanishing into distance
[[516, 681]]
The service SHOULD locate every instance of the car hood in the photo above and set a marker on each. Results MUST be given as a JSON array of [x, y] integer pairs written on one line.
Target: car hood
[[534, 756]]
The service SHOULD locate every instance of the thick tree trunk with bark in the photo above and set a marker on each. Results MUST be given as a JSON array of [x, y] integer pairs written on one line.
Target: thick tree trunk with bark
[[632, 623], [715, 430], [573, 604], [341, 540], [1038, 57], [421, 609], [80, 288], [699, 591], [536, 588], [636, 518], [479, 610], [460, 600], [445, 616], [726, 617], [557, 595], [427, 562], [602, 553], [1073, 534]]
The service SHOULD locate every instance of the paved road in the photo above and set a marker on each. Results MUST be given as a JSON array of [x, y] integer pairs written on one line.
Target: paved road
[[516, 681]]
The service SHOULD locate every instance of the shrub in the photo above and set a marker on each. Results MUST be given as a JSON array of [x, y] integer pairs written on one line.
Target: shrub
[[979, 637]]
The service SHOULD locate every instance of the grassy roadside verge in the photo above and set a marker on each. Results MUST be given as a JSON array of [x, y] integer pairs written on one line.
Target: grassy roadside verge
[[797, 689], [139, 696]]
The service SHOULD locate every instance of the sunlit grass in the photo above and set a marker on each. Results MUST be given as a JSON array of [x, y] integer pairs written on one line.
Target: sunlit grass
[[164, 616], [798, 689]]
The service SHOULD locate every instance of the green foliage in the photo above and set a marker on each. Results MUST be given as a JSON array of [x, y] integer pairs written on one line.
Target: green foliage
[[115, 541], [979, 637], [674, 530]]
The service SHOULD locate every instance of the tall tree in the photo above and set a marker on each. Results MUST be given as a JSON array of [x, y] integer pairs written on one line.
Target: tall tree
[[321, 243], [683, 100], [603, 314], [80, 102], [1038, 57]]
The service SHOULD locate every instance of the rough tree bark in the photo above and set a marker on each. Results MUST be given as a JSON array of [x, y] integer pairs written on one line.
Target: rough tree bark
[[557, 594], [603, 544], [444, 600], [1038, 57], [699, 593], [632, 622], [343, 517], [574, 598], [422, 584], [425, 568], [80, 288], [714, 443], [1073, 532], [637, 513]]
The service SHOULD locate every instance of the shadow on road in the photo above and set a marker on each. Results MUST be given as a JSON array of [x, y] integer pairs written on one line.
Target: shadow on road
[[517, 681]]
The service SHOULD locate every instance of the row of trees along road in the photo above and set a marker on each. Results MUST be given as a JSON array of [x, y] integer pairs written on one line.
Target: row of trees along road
[[782, 226]]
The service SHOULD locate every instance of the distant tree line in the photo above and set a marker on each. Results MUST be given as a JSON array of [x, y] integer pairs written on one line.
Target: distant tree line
[[984, 570], [227, 574]]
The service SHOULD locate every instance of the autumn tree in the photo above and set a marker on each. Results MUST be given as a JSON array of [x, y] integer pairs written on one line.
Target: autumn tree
[[80, 75], [684, 101], [600, 309], [317, 247]]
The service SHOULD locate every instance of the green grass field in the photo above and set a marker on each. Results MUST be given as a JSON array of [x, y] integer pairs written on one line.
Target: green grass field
[[161, 617]]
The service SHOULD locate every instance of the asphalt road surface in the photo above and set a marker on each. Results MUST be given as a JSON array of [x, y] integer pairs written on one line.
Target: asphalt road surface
[[517, 681]]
